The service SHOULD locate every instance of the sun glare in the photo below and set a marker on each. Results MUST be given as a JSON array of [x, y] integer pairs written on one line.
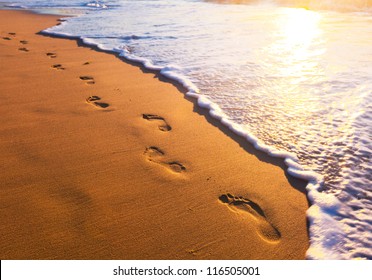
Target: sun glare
[[293, 59], [298, 36], [299, 26]]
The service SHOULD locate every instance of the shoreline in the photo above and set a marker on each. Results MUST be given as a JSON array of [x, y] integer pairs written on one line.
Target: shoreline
[[221, 209]]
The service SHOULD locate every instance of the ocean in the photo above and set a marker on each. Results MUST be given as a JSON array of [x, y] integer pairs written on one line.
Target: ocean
[[292, 77]]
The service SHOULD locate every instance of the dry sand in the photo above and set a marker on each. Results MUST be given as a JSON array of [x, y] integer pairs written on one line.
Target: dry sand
[[100, 160]]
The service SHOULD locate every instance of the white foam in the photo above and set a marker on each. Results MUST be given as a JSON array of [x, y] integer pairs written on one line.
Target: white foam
[[15, 6], [96, 4]]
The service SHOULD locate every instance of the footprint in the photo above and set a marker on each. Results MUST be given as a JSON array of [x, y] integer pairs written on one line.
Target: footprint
[[89, 79], [23, 49], [24, 42], [51, 55], [93, 101], [8, 38], [86, 63], [154, 154], [58, 67], [243, 205], [163, 125]]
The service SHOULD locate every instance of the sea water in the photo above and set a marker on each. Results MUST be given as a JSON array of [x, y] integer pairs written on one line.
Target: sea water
[[292, 77]]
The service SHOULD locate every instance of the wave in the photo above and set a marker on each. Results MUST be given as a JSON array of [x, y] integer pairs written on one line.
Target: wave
[[15, 6], [59, 4], [97, 4]]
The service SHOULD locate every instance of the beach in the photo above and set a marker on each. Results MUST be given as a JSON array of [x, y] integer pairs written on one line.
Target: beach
[[102, 159]]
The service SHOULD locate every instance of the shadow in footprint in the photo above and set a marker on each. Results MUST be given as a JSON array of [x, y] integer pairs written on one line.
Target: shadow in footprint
[[8, 38], [23, 49], [88, 79], [176, 167], [51, 55], [93, 100], [58, 67], [239, 204], [156, 155], [162, 124], [24, 42]]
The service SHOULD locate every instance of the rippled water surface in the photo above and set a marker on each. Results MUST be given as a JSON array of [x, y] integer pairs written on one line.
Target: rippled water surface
[[293, 79]]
